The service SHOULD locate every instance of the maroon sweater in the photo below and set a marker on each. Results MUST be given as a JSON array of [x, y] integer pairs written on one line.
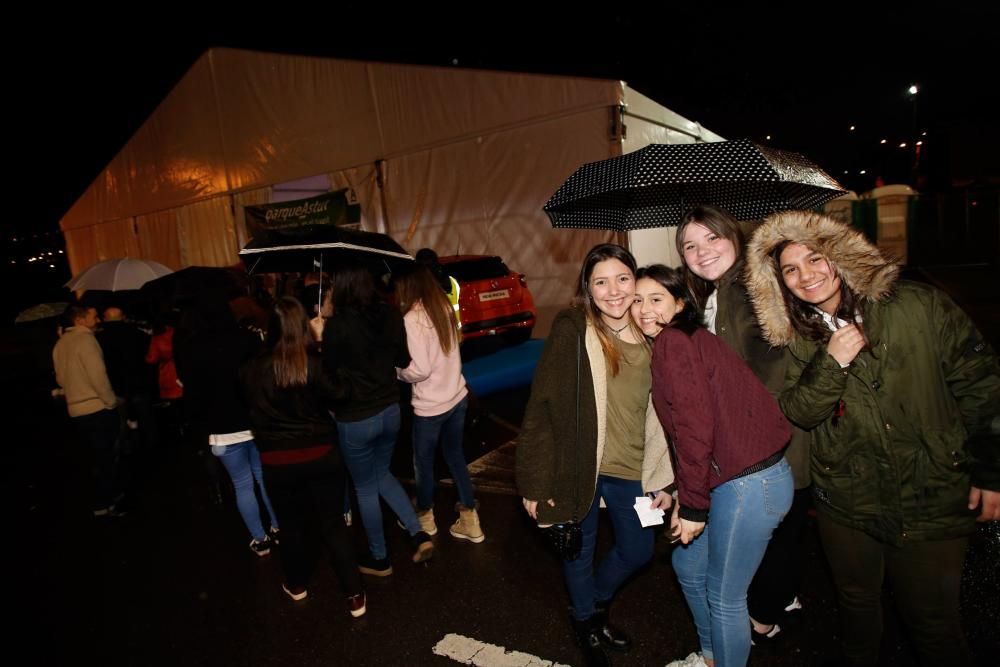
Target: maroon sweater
[[719, 417]]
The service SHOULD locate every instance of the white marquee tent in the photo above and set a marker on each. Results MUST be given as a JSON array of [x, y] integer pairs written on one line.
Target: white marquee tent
[[455, 159]]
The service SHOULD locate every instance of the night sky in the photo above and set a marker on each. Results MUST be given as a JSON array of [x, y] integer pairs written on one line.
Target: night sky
[[80, 93]]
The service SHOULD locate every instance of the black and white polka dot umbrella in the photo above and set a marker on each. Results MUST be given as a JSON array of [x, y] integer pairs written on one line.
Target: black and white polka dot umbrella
[[654, 186]]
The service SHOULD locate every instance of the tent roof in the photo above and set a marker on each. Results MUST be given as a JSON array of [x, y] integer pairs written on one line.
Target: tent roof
[[240, 120]]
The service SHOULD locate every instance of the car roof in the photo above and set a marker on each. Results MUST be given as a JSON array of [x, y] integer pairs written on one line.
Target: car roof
[[451, 259]]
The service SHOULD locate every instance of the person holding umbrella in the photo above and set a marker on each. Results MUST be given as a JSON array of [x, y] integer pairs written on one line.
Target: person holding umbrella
[[902, 396], [590, 438], [712, 245], [211, 348]]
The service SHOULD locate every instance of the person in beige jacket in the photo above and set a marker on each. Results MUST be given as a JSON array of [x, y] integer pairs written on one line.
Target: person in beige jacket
[[90, 401]]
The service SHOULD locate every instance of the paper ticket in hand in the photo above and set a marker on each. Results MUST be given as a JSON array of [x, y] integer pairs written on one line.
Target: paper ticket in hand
[[647, 515]]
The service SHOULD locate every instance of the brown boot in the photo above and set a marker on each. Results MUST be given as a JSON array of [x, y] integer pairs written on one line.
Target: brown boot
[[467, 525]]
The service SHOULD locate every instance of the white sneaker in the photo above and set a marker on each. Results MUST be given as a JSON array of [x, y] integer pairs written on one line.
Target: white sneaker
[[794, 606], [693, 660]]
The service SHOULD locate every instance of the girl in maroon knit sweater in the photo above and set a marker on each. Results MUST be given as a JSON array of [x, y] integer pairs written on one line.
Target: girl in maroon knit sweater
[[734, 485]]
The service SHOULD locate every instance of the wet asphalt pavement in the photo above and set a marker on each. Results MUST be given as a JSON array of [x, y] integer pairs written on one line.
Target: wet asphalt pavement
[[173, 583]]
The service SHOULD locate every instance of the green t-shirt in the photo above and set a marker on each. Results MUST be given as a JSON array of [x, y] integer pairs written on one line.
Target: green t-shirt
[[628, 396]]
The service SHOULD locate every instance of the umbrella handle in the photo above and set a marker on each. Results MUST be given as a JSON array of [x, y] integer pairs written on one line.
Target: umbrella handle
[[319, 306]]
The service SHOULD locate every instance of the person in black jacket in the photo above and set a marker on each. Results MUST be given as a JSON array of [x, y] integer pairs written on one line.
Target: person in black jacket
[[290, 398], [208, 351], [364, 343]]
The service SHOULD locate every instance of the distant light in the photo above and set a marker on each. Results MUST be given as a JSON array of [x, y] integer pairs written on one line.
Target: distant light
[[883, 141], [52, 266], [768, 137], [975, 203], [920, 143], [60, 252], [851, 128], [863, 172], [913, 90], [903, 145], [923, 134], [13, 261], [454, 61], [845, 171]]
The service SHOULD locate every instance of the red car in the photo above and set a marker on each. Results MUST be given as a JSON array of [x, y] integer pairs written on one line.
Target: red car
[[493, 299]]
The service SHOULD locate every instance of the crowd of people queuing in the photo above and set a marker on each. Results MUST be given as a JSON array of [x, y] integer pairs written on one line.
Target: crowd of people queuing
[[291, 411], [757, 380]]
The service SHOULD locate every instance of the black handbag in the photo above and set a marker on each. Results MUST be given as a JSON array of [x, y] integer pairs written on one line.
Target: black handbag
[[566, 539]]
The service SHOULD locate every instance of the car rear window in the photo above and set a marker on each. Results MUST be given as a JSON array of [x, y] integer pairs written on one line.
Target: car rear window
[[477, 269]]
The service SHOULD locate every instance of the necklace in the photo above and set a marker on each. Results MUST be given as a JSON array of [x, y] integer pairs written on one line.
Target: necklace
[[618, 332]]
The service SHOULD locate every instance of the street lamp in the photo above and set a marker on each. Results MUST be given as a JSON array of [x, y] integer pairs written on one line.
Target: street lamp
[[912, 92]]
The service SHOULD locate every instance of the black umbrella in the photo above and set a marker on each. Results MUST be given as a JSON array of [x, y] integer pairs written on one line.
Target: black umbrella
[[654, 186], [322, 248], [189, 282]]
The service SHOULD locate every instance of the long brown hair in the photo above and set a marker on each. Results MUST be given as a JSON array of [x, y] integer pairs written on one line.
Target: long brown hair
[[290, 339], [805, 319], [598, 254], [721, 223], [420, 286]]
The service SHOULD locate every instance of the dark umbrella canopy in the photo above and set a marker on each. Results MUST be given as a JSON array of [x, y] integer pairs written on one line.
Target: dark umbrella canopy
[[189, 282], [41, 311], [654, 186], [326, 246]]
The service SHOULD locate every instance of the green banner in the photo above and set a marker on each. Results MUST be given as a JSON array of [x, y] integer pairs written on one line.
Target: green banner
[[302, 216]]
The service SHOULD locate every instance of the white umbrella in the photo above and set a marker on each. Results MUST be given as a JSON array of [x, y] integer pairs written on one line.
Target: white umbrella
[[116, 275]]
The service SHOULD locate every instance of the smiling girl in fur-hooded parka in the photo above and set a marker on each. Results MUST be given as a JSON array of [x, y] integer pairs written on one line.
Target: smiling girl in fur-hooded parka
[[902, 395]]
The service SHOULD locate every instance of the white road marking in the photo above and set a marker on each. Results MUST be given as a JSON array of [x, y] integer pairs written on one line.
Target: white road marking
[[470, 651]]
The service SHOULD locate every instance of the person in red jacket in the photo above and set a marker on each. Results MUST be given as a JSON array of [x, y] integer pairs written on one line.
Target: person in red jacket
[[734, 484], [161, 353]]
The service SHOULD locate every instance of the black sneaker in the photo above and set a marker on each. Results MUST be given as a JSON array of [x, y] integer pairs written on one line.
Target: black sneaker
[[110, 512], [295, 592], [261, 547], [423, 548], [764, 639], [377, 567]]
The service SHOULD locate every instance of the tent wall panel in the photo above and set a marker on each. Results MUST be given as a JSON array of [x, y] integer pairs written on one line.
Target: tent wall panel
[[207, 233], [159, 239], [116, 239]]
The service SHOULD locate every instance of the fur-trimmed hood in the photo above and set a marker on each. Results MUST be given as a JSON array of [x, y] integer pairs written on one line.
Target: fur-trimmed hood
[[858, 263]]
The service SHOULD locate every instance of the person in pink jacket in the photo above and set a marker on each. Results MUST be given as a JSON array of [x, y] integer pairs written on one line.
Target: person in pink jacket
[[440, 398]]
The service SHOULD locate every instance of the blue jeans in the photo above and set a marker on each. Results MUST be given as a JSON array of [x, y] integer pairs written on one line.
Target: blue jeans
[[715, 569], [367, 447], [448, 429], [242, 462], [632, 549]]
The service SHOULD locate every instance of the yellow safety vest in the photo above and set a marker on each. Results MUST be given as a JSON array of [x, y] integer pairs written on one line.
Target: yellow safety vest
[[453, 299]]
